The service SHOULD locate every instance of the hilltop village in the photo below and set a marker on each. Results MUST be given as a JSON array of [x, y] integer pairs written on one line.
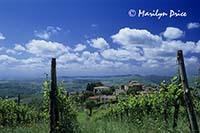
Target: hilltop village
[[101, 94]]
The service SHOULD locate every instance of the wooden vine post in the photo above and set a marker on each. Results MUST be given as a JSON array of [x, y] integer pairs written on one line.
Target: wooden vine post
[[187, 94], [54, 114]]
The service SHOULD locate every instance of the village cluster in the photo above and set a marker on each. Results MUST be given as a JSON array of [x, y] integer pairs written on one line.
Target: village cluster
[[132, 87]]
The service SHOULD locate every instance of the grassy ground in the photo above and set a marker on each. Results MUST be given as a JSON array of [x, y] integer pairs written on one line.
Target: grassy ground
[[110, 126], [116, 126], [104, 126], [37, 128]]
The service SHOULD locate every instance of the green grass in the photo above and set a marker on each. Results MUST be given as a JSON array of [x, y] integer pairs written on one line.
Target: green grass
[[87, 125], [36, 128], [105, 126], [117, 126], [82, 117]]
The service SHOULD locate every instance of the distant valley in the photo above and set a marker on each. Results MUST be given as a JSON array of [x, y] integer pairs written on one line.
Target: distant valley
[[11, 88]]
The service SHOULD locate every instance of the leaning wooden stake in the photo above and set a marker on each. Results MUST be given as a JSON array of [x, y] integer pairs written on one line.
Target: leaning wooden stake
[[187, 95], [54, 114]]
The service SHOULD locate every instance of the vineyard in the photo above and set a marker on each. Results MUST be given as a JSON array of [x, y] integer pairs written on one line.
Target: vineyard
[[174, 107], [166, 104]]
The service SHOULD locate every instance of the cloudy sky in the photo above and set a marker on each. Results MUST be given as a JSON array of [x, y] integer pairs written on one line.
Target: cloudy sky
[[97, 37]]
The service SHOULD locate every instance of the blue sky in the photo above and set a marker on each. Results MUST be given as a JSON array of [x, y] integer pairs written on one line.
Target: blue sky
[[96, 37]]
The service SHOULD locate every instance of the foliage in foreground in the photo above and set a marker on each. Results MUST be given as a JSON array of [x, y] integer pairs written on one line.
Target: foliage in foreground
[[67, 113], [12, 114]]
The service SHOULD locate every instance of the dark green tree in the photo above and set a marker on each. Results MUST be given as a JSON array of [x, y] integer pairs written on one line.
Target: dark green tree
[[85, 95], [132, 91], [89, 104], [107, 92], [90, 86]]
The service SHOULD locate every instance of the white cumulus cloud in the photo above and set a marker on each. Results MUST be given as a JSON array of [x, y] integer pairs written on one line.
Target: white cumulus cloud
[[69, 57], [32, 60], [121, 55], [2, 37], [173, 33], [79, 47], [135, 37], [5, 59], [193, 25], [99, 43], [47, 33], [45, 48], [10, 51], [19, 47]]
